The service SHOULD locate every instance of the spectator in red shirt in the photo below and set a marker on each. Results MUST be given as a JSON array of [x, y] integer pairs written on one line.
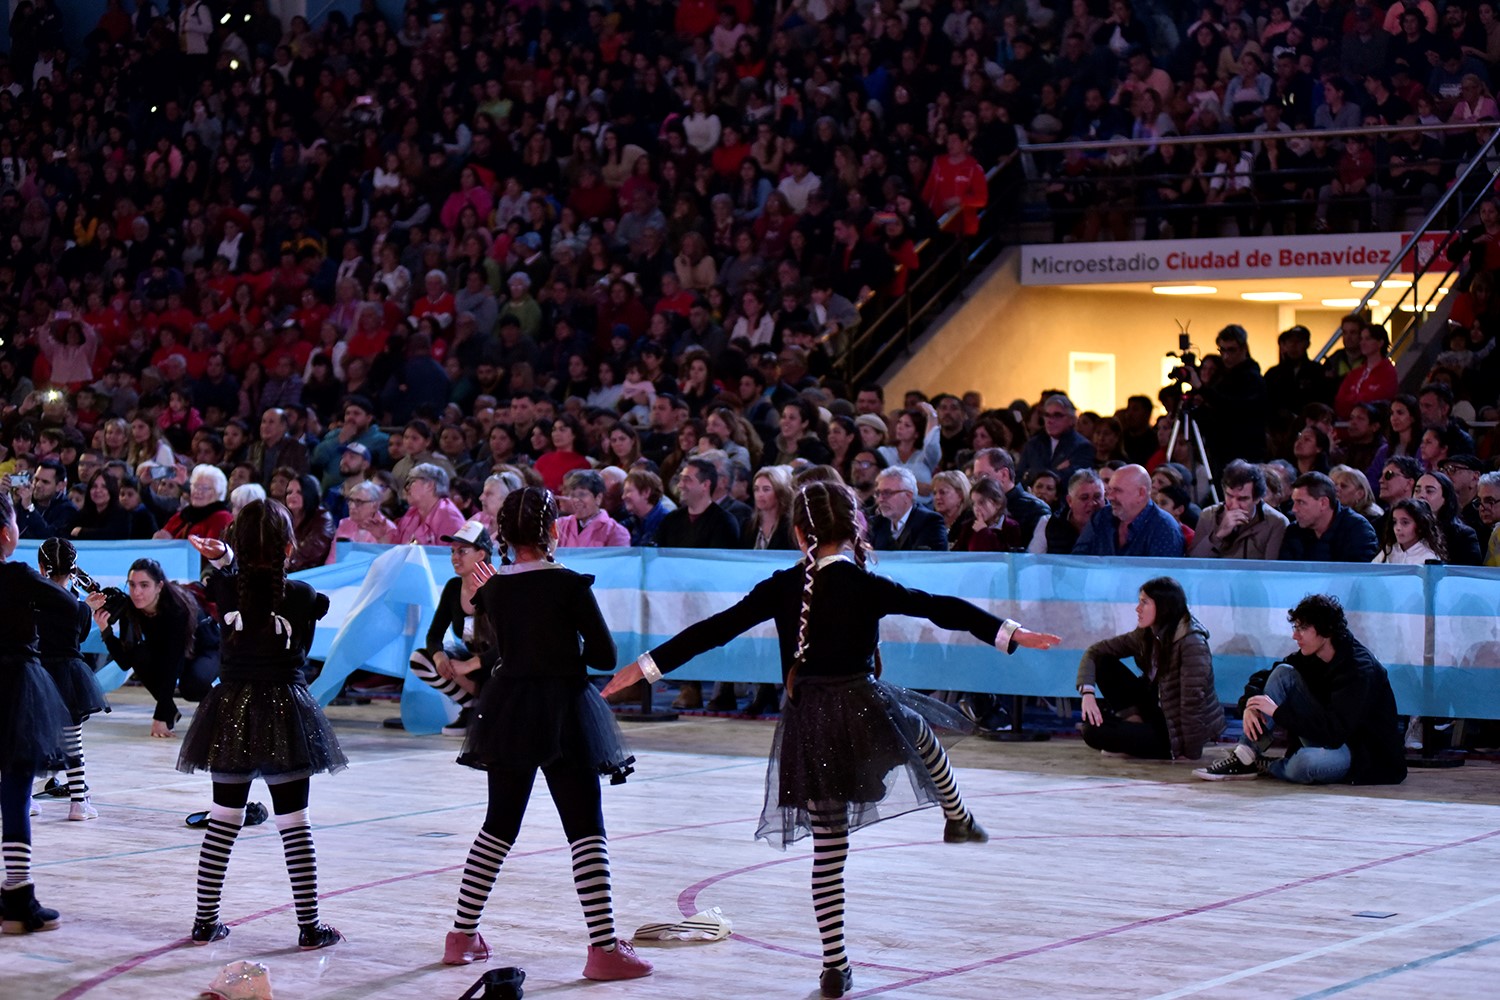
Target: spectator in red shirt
[[438, 302], [957, 181]]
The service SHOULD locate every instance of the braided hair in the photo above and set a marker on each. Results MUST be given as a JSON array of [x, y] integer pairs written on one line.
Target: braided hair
[[526, 518], [57, 557], [824, 513], [262, 532]]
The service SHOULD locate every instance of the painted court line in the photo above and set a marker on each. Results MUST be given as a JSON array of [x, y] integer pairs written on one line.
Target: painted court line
[[1169, 917], [1419, 963], [1353, 942]]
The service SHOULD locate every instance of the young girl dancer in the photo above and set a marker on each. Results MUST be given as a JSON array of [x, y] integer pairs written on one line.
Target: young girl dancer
[[850, 749], [539, 711], [260, 722], [61, 633], [32, 717]]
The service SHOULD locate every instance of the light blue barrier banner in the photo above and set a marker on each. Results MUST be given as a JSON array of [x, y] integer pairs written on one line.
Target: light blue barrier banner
[[1434, 628]]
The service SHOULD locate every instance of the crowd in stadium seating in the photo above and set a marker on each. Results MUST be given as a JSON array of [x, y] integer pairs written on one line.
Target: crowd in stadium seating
[[389, 272]]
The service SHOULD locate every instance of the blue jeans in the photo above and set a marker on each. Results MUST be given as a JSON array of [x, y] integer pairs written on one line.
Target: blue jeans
[[1309, 765]]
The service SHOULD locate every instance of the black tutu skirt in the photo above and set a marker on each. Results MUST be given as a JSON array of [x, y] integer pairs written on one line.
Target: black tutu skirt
[[32, 717], [77, 685], [850, 742], [532, 722], [260, 729]]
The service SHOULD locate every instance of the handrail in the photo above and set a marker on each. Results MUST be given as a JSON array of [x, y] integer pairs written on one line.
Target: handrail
[[1219, 138], [1454, 190]]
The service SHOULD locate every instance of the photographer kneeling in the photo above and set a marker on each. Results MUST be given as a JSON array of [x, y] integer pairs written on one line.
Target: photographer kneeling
[[1170, 709], [164, 637]]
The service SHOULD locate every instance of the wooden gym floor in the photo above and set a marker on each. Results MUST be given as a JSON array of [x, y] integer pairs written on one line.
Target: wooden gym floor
[[1103, 878]]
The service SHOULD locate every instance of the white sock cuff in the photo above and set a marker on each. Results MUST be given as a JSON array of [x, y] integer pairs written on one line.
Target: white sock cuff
[[1246, 754], [286, 821], [225, 814]]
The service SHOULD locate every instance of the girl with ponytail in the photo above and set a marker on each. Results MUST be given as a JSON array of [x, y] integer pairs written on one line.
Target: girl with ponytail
[[538, 711], [260, 721], [850, 749], [63, 627]]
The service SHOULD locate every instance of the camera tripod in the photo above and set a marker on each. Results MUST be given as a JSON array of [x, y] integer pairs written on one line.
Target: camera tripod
[[1185, 429]]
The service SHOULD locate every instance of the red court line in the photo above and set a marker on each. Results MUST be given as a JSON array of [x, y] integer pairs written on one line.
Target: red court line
[[1167, 917]]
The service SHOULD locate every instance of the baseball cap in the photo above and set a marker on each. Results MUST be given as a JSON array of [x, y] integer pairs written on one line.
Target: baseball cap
[[1468, 462], [358, 449], [473, 534]]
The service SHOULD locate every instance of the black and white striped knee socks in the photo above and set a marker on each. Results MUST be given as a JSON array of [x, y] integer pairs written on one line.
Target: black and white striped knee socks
[[427, 673], [73, 751], [301, 863], [936, 761], [830, 831], [480, 872], [224, 826], [17, 854], [591, 879]]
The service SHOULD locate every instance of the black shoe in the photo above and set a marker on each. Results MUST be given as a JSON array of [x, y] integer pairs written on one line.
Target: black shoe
[[197, 820], [315, 936], [255, 814], [22, 914], [460, 725], [1230, 768], [208, 931], [837, 982], [723, 703], [964, 831], [55, 789], [764, 702]]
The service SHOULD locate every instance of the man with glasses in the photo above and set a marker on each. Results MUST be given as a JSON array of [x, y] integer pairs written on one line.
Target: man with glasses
[[1464, 471], [1243, 526], [431, 515], [900, 526], [1397, 479], [1333, 701], [863, 472], [1057, 447], [1489, 511]]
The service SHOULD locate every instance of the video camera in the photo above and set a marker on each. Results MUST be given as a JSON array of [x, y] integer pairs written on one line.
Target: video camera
[[1184, 354], [115, 599]]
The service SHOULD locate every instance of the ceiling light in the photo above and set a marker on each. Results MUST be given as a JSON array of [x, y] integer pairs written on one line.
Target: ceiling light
[[1410, 307], [1184, 289], [1271, 296], [1387, 283], [1348, 303]]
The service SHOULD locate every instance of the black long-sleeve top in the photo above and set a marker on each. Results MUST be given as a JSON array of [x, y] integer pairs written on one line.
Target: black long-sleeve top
[[254, 650], [450, 614], [154, 643], [62, 626], [843, 624], [546, 622], [1351, 705], [30, 599]]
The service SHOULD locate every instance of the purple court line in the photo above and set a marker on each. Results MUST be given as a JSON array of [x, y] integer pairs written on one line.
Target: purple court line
[[1166, 917], [132, 963], [687, 900]]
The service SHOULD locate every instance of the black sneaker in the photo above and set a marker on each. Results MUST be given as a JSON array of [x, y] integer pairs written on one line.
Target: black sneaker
[[314, 936], [20, 913], [836, 982], [1230, 768], [964, 831], [209, 931], [460, 725]]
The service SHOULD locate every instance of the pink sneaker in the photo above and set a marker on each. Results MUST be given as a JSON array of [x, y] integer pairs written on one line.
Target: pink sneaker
[[622, 963], [461, 949]]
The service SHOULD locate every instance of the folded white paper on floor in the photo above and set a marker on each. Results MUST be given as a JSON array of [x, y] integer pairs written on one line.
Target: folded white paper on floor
[[705, 925]]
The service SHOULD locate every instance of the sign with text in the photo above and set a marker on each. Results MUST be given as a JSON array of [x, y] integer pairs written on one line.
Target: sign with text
[[1167, 261]]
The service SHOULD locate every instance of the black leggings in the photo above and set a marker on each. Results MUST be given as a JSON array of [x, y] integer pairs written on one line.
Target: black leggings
[[286, 796], [575, 793], [1123, 689]]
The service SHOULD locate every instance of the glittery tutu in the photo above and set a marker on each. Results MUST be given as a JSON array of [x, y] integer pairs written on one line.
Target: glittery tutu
[[527, 722], [260, 729], [32, 717], [77, 685], [849, 741]]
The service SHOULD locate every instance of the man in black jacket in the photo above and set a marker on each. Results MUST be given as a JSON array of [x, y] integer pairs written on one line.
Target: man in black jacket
[[1333, 699], [1235, 403], [1027, 509], [902, 526], [1325, 530]]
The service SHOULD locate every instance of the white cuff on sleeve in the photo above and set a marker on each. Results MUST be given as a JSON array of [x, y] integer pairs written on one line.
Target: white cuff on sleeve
[[225, 560], [1005, 638], [648, 668]]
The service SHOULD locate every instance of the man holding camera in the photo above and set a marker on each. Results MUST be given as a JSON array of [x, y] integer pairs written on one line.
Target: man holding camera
[[42, 505], [1233, 414]]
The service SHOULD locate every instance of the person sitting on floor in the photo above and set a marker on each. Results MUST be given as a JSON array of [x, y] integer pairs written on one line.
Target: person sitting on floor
[[1333, 700], [1168, 710]]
